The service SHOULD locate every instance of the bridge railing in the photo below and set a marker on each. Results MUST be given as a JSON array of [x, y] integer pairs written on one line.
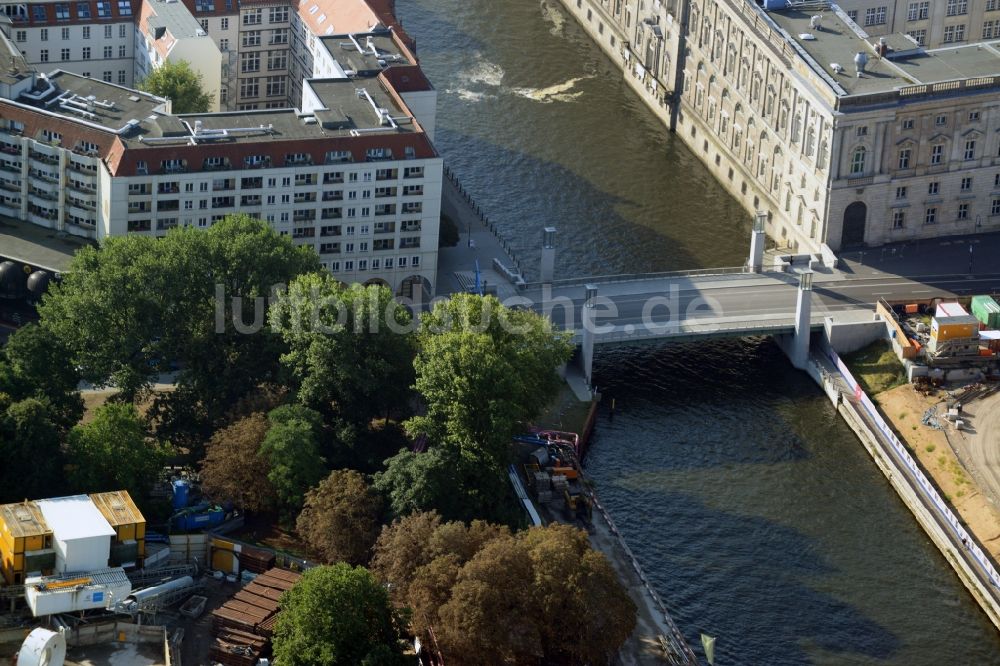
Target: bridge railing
[[635, 277], [641, 332]]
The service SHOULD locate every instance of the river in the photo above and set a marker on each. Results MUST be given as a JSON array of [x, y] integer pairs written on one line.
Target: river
[[755, 511]]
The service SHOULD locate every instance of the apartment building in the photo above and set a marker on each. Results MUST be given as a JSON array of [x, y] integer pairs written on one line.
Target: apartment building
[[771, 101], [94, 38], [932, 23], [167, 32]]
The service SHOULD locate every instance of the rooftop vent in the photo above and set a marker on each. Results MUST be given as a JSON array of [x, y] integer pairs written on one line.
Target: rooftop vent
[[860, 60], [837, 67], [807, 37]]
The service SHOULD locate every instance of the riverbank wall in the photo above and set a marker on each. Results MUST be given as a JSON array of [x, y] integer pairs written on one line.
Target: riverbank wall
[[959, 546]]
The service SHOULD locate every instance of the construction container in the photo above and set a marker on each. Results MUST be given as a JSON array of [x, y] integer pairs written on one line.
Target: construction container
[[24, 534], [991, 340], [128, 548], [81, 534], [987, 311], [952, 322], [67, 594]]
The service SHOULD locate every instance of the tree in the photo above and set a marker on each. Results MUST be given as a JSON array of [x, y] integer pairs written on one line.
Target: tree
[[291, 446], [340, 518], [138, 306], [349, 348], [482, 370], [337, 615], [39, 366], [30, 450], [180, 84], [113, 452], [235, 469]]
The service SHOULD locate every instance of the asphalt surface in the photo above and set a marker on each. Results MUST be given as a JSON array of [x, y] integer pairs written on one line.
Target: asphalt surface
[[983, 447]]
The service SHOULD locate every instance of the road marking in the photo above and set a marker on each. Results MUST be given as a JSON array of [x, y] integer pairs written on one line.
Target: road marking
[[922, 291]]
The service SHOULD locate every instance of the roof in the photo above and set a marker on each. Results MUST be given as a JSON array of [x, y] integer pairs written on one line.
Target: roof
[[98, 103], [117, 508], [365, 52], [174, 17], [358, 100], [74, 517], [837, 40], [23, 519], [327, 17], [31, 244], [950, 310]]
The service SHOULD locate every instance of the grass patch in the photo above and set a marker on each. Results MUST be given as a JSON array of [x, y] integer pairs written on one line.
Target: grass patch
[[876, 367], [930, 448]]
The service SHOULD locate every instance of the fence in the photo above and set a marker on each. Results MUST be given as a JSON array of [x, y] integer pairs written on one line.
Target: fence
[[486, 222], [676, 647], [943, 512]]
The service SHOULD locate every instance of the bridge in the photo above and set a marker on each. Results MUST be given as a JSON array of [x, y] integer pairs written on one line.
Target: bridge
[[784, 296]]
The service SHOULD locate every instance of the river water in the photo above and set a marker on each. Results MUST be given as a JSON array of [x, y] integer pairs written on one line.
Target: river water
[[755, 511]]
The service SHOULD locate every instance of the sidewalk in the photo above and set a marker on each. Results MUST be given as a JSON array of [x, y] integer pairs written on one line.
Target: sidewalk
[[457, 265]]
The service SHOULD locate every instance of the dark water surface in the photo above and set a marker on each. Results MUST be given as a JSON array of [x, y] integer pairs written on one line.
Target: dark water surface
[[755, 511]]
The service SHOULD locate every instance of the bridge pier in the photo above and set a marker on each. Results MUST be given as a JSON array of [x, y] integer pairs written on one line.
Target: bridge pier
[[587, 347], [758, 237], [803, 320], [548, 254]]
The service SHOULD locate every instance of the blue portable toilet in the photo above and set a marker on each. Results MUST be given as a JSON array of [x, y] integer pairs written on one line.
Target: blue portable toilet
[[182, 492]]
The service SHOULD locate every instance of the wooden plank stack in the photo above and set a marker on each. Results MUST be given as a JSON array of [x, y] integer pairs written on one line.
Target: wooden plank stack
[[256, 560], [244, 625]]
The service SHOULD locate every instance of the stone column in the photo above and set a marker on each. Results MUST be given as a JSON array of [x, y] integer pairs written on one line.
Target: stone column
[[757, 239], [587, 321], [803, 322]]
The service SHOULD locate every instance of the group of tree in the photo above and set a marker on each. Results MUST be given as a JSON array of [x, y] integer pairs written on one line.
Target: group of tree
[[477, 593]]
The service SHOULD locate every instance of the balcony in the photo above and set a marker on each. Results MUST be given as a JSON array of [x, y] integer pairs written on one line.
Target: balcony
[[251, 200], [336, 195], [167, 206], [223, 202], [216, 164], [333, 178], [303, 215], [385, 228], [83, 187], [44, 175], [10, 149], [47, 160], [88, 206], [413, 172], [332, 214], [43, 195], [386, 174], [88, 170], [143, 207], [409, 243], [381, 193], [139, 225], [252, 183], [223, 185], [168, 188], [305, 197], [413, 191], [305, 179], [386, 209], [10, 166]]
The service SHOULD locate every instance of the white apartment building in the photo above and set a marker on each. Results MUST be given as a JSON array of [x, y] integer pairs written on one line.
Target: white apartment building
[[771, 102], [94, 38], [355, 177]]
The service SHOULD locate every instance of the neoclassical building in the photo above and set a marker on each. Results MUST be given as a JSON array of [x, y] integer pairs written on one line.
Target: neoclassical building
[[771, 100]]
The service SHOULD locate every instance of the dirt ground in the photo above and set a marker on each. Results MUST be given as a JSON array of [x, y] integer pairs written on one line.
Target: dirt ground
[[904, 408]]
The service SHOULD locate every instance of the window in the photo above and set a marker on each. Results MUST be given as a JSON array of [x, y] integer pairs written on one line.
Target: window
[[104, 9], [917, 11], [224, 24], [954, 33], [963, 211], [43, 55], [43, 34], [106, 76], [933, 188], [937, 152], [38, 12], [86, 32], [124, 8], [277, 60], [958, 7], [973, 116], [853, 15], [930, 216], [21, 36], [107, 32], [995, 210], [250, 62], [898, 219], [858, 161], [223, 46], [991, 29], [276, 86], [941, 121], [121, 51], [862, 131], [900, 192], [65, 34], [279, 36], [970, 149], [121, 77], [249, 88], [904, 158], [251, 38], [107, 52], [83, 11], [919, 36], [252, 16], [204, 25], [64, 54], [967, 184], [991, 5], [62, 12], [278, 15], [875, 16], [204, 5]]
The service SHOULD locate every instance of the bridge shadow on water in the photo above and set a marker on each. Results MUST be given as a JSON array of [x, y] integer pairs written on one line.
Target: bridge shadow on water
[[711, 469]]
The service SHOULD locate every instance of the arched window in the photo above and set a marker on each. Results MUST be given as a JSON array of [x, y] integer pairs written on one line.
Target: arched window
[[858, 161]]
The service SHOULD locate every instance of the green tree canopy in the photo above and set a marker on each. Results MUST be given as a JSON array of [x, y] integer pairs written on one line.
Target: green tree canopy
[[113, 452], [126, 311], [340, 518], [181, 85], [349, 348], [39, 366], [30, 450], [235, 469], [337, 615], [482, 370], [291, 446]]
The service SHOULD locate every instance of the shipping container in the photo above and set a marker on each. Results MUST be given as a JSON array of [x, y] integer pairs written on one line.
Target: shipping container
[[987, 311], [67, 594]]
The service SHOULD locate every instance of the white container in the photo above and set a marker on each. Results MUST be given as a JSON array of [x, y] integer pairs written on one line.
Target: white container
[[96, 589], [81, 535]]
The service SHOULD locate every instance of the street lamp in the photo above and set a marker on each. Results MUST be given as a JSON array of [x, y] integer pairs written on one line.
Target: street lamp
[[979, 223], [970, 258]]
